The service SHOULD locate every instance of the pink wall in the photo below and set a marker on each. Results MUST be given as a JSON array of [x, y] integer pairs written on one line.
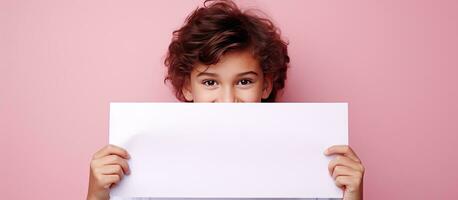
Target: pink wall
[[394, 61]]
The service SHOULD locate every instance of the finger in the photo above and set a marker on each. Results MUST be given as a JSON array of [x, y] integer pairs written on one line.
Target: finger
[[112, 169], [349, 183], [344, 150], [342, 181], [111, 150], [344, 161], [345, 171], [115, 160], [110, 180]]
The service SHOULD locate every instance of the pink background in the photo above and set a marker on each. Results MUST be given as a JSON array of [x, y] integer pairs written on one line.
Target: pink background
[[394, 61]]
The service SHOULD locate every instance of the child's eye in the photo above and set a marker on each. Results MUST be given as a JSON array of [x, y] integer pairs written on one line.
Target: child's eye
[[245, 82], [209, 83]]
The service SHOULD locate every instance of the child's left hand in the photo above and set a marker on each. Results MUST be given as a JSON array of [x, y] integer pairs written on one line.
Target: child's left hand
[[347, 170]]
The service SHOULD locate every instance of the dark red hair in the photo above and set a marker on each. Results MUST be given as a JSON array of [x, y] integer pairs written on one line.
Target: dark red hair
[[217, 28]]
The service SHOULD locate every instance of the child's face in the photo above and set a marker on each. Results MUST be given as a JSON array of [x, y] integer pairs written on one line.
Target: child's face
[[237, 77]]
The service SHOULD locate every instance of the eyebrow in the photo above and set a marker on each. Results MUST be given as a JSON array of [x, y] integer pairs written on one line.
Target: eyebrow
[[246, 73], [207, 74], [216, 75]]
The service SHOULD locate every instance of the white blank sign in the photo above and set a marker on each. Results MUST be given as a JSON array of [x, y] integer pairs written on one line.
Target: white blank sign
[[228, 150]]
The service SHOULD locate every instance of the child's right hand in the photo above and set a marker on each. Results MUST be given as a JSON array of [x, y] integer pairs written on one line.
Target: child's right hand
[[108, 167]]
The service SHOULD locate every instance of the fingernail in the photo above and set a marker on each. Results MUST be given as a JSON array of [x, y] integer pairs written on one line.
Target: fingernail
[[128, 156]]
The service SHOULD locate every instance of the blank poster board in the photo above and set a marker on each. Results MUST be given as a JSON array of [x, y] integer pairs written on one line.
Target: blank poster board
[[228, 150]]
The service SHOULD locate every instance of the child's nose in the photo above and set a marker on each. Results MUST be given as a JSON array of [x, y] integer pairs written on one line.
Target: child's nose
[[228, 95]]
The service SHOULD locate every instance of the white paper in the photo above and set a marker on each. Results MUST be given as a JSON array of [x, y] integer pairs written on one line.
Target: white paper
[[228, 150]]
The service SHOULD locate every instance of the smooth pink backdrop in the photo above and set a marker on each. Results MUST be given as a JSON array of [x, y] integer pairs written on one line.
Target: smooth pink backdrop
[[394, 61]]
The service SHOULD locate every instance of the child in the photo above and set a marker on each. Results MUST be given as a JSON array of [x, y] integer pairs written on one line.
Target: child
[[223, 54]]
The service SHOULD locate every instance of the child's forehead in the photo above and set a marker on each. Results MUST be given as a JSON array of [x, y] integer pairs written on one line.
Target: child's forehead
[[231, 62]]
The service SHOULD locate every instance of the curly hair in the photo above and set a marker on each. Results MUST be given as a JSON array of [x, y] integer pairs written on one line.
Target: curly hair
[[221, 26]]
